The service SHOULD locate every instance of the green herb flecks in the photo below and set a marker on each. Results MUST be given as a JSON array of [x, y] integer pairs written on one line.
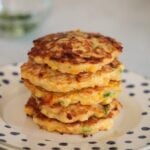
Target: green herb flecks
[[63, 103], [106, 109], [107, 94], [86, 129]]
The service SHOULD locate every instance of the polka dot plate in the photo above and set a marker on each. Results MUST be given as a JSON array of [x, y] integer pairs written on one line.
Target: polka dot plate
[[130, 131]]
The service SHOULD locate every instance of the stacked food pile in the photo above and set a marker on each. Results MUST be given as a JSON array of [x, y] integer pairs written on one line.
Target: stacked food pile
[[74, 79]]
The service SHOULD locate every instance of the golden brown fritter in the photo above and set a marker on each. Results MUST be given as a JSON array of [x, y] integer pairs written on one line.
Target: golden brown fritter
[[75, 51], [87, 96], [55, 81], [75, 112], [90, 126]]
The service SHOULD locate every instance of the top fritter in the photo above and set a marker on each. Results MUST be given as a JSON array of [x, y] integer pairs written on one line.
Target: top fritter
[[75, 51]]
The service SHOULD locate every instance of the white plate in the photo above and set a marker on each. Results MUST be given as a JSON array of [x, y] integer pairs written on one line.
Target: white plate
[[130, 131]]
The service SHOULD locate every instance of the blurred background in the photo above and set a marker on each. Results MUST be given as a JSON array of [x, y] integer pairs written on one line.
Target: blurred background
[[126, 20]]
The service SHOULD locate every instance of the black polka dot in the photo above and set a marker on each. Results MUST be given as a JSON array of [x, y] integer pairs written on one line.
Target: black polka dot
[[130, 132], [56, 148], [76, 148], [144, 113], [1, 73], [2, 134], [142, 137], [147, 143], [26, 148], [145, 128], [3, 148], [92, 142], [5, 81], [111, 142], [131, 94], [128, 141], [47, 140], [123, 80], [24, 140], [15, 73], [63, 144], [146, 91], [125, 71], [7, 126], [20, 81], [2, 140], [14, 133], [41, 144], [0, 96], [113, 148], [95, 148], [130, 86], [144, 84], [14, 64]]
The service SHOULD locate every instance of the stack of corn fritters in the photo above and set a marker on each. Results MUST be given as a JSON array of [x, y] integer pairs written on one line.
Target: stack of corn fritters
[[74, 79]]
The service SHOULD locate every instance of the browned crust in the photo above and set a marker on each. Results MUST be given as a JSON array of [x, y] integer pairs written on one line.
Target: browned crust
[[33, 104], [52, 98], [75, 47], [50, 80], [78, 77]]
